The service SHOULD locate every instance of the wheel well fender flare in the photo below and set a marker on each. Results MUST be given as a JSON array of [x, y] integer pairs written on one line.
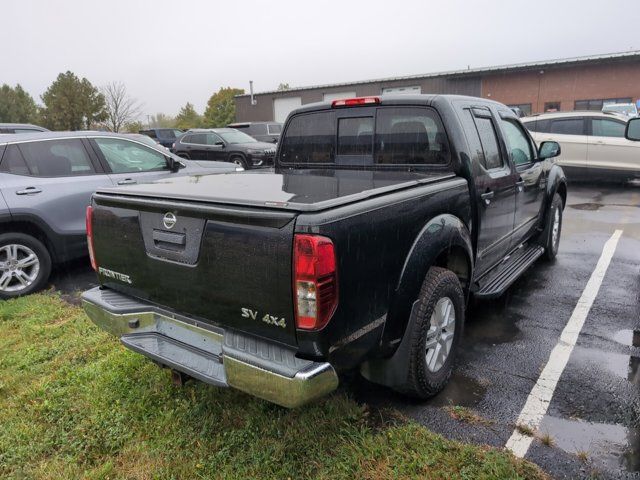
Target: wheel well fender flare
[[444, 241], [30, 225]]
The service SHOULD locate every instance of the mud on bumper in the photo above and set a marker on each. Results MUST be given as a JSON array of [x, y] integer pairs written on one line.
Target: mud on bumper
[[220, 357]]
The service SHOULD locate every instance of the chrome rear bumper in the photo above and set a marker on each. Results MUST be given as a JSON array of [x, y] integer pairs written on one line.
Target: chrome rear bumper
[[213, 355]]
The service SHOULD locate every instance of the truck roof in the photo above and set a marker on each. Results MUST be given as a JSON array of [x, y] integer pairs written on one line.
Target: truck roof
[[400, 99]]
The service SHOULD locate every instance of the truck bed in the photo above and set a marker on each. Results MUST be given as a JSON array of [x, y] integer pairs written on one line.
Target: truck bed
[[295, 190]]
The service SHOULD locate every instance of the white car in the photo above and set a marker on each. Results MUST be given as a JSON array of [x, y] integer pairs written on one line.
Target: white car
[[593, 144]]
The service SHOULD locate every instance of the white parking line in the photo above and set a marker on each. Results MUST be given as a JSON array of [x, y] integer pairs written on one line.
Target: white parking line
[[538, 401]]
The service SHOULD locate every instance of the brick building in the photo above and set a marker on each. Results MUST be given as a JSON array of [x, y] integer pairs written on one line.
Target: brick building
[[583, 83]]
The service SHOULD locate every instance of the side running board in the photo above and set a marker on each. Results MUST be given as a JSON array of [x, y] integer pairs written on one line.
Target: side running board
[[496, 282]]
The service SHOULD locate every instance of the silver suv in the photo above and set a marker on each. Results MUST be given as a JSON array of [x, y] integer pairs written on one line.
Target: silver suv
[[46, 182]]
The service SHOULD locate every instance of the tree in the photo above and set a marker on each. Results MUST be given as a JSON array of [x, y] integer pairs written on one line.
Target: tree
[[119, 106], [160, 120], [283, 86], [133, 127], [188, 118], [221, 107], [71, 103], [16, 105]]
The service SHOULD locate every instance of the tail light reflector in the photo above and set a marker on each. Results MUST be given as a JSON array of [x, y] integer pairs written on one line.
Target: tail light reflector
[[315, 285], [89, 223], [352, 102]]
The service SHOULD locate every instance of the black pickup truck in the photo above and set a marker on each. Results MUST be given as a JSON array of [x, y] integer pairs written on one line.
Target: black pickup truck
[[360, 250]]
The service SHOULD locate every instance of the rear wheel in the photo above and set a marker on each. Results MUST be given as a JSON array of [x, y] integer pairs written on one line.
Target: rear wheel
[[435, 334], [184, 155], [550, 236], [25, 265]]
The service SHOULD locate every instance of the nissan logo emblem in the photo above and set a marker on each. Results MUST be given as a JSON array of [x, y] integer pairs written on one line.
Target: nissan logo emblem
[[169, 220]]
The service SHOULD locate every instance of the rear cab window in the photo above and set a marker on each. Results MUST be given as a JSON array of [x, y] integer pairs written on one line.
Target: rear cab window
[[373, 136]]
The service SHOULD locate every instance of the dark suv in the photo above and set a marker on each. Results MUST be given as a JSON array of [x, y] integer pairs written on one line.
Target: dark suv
[[261, 131], [164, 136], [224, 145]]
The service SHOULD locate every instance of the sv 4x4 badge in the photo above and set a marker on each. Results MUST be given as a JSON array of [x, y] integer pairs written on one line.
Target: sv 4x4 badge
[[270, 319]]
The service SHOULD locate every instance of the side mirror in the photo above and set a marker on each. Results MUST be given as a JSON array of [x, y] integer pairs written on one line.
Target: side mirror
[[173, 165], [549, 150], [632, 132], [219, 144]]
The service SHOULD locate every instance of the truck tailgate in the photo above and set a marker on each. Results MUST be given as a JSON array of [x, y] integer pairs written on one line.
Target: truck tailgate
[[227, 266]]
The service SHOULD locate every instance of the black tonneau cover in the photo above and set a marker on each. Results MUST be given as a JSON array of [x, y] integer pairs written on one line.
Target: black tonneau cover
[[295, 190]]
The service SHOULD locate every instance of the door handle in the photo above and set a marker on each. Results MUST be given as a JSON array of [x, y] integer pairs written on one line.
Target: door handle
[[487, 196], [29, 191], [520, 185], [127, 181]]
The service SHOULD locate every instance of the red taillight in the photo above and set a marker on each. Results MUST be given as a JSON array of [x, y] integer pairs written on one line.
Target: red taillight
[[352, 102], [89, 223], [315, 284]]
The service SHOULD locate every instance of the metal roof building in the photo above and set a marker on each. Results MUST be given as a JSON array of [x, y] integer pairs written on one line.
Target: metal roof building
[[565, 84]]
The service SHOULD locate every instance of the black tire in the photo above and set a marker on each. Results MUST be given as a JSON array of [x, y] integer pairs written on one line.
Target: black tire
[[239, 160], [184, 155], [422, 382], [26, 243], [547, 239]]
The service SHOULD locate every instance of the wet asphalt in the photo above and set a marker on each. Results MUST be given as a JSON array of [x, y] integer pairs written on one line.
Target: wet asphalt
[[594, 417]]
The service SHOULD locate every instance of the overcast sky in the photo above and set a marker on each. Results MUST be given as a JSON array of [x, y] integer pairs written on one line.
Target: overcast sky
[[168, 53]]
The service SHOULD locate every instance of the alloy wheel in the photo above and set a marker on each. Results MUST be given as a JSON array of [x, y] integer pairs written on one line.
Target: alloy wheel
[[440, 335], [19, 267]]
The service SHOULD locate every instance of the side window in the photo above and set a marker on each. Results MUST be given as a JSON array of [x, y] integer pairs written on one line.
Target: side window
[[212, 139], [489, 140], [410, 135], [57, 158], [25, 130], [196, 139], [567, 126], [601, 127], [274, 128], [125, 157], [541, 126], [517, 142], [13, 162], [355, 136]]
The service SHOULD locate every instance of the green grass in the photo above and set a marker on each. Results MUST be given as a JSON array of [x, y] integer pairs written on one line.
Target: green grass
[[75, 404]]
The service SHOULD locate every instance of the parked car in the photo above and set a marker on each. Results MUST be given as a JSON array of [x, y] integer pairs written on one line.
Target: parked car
[[626, 109], [146, 140], [593, 144], [360, 250], [261, 131], [20, 128], [46, 182], [224, 145], [164, 136]]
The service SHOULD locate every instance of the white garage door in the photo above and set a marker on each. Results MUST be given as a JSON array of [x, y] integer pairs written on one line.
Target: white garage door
[[283, 107], [329, 97], [411, 90]]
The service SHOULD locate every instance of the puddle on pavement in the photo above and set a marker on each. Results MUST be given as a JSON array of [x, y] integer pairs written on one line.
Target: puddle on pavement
[[624, 366], [461, 390], [587, 206], [492, 323], [630, 338], [609, 446]]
